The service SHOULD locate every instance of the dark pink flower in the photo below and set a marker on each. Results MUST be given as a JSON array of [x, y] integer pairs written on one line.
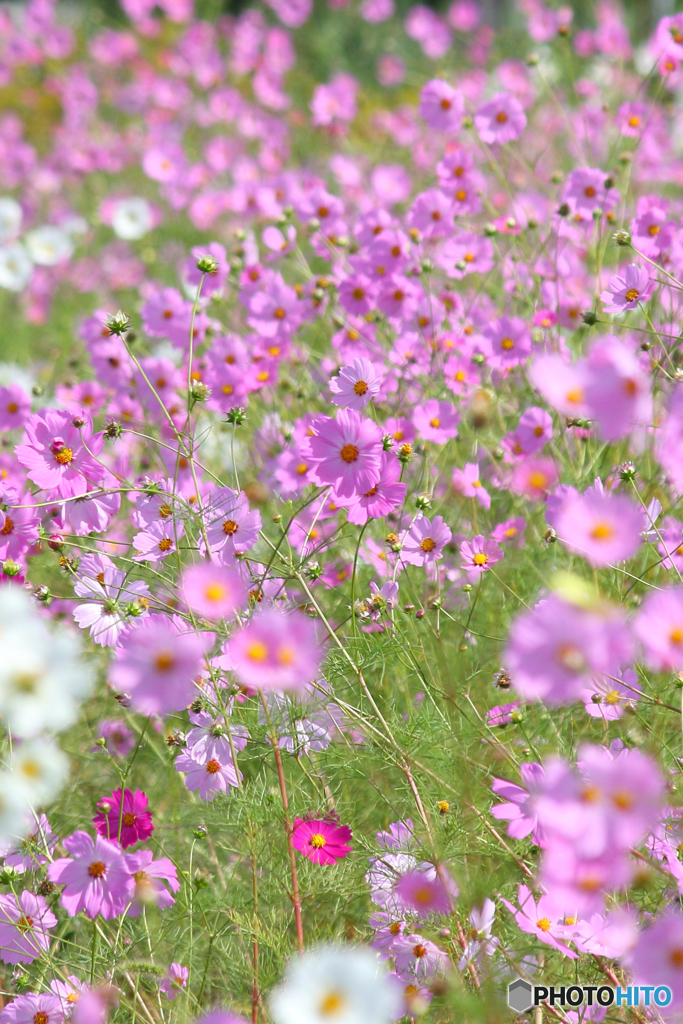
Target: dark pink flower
[[321, 840], [135, 821]]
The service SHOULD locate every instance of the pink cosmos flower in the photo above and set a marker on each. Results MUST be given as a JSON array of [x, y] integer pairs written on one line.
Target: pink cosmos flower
[[24, 925], [618, 388], [441, 106], [501, 714], [95, 876], [149, 876], [657, 958], [210, 738], [509, 342], [539, 919], [174, 981], [512, 530], [534, 477], [607, 698], [436, 421], [215, 591], [500, 120], [210, 777], [46, 1007], [335, 101], [388, 493], [357, 294], [628, 289], [416, 956], [231, 527], [425, 540], [106, 612], [424, 892], [68, 992], [562, 385], [119, 738], [659, 627], [519, 807], [589, 189], [54, 453], [604, 528], [136, 820], [156, 666], [345, 452], [466, 482], [21, 527], [466, 253], [277, 651], [478, 555], [535, 428], [275, 311], [321, 840], [355, 385], [34, 849], [557, 648], [15, 407]]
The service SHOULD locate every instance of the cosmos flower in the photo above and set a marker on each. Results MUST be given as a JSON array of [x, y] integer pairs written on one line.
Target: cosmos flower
[[135, 821], [321, 840]]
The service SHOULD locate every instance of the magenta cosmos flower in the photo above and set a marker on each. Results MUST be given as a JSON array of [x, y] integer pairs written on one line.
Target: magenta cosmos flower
[[156, 666], [478, 555], [626, 290], [425, 540], [557, 648], [500, 120], [95, 876], [659, 627], [215, 591], [24, 925], [136, 820], [540, 919], [321, 840], [441, 106], [276, 651], [345, 452], [54, 453], [355, 385], [604, 528], [436, 421]]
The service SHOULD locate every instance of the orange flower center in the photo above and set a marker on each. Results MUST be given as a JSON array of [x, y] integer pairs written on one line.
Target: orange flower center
[[349, 453], [97, 869]]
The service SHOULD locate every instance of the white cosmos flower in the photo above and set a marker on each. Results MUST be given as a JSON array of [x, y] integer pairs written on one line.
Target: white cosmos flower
[[336, 985], [10, 218], [48, 245], [14, 810], [40, 769], [42, 676], [15, 267], [132, 218]]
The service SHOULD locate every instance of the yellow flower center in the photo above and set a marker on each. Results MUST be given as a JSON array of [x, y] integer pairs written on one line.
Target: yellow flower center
[[428, 544], [97, 869], [215, 592], [229, 527], [360, 387], [332, 1004], [64, 456], [436, 422], [507, 344], [543, 924], [632, 294], [480, 558], [602, 531], [257, 651], [349, 453], [317, 841]]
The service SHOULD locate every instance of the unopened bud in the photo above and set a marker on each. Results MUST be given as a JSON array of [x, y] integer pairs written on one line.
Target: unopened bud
[[78, 422], [563, 210], [55, 542], [236, 416], [589, 317], [201, 832], [41, 593], [118, 323], [207, 264], [200, 392], [10, 568], [622, 237]]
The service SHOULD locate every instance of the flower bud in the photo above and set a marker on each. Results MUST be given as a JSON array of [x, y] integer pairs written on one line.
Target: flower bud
[[589, 317], [78, 422], [207, 264], [200, 392], [236, 416], [10, 568], [622, 237], [118, 323]]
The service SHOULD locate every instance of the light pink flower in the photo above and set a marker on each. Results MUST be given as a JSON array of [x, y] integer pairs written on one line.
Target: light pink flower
[[466, 482], [345, 452], [215, 591], [425, 540], [436, 421], [604, 528], [478, 555], [356, 384], [276, 651], [96, 877], [501, 119], [441, 105]]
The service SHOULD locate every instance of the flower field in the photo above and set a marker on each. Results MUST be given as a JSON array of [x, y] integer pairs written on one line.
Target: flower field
[[341, 538]]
